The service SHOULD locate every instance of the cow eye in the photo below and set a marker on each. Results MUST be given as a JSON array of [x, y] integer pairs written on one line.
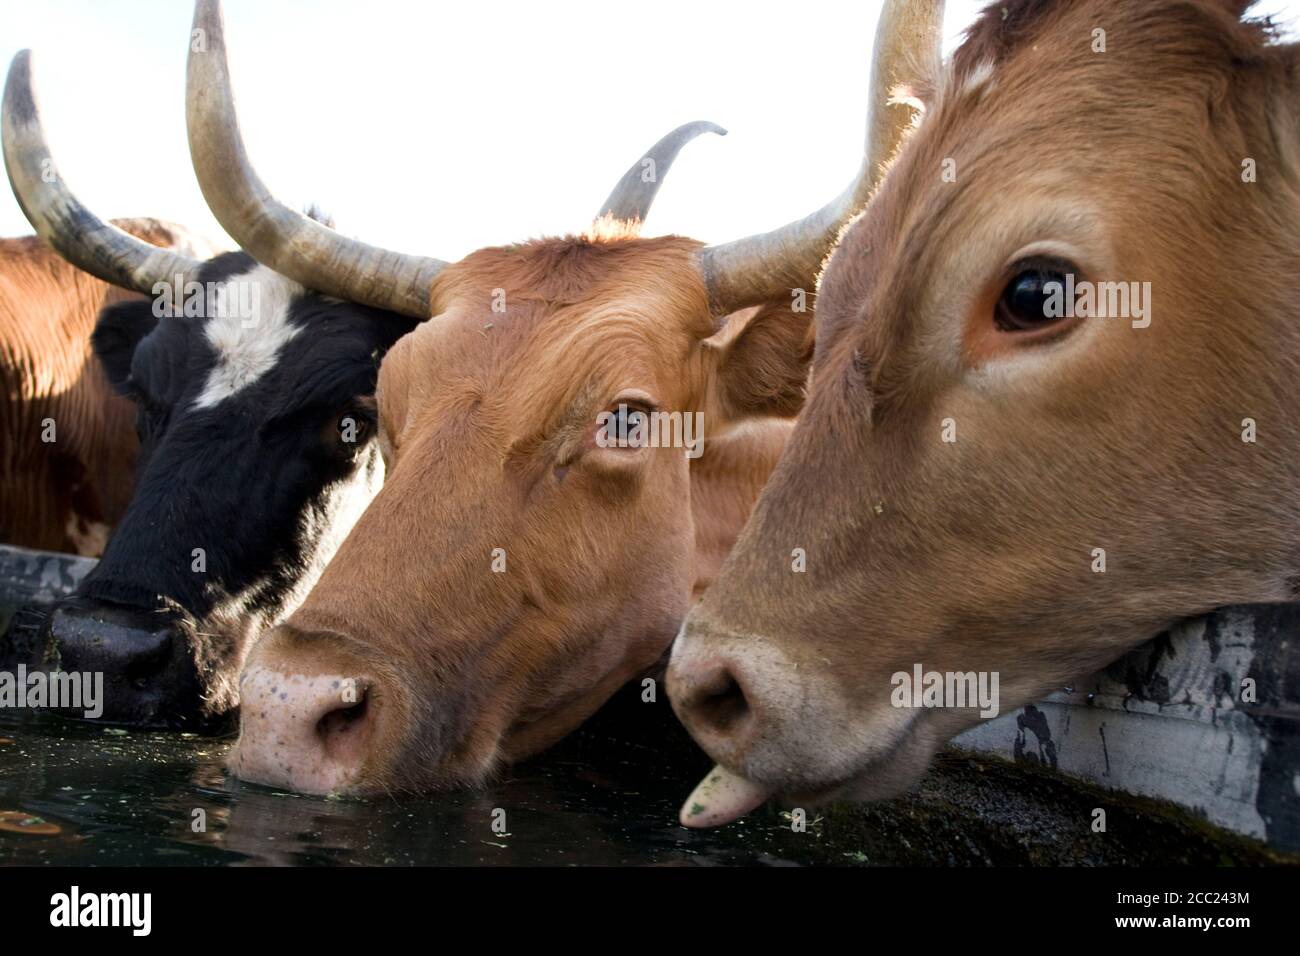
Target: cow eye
[[630, 421], [625, 425], [355, 426], [1034, 298]]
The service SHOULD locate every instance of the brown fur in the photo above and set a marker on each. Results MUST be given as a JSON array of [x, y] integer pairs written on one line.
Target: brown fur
[[977, 555], [63, 495], [487, 424]]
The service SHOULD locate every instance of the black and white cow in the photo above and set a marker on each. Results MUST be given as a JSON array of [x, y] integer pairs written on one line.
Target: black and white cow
[[257, 449], [257, 456]]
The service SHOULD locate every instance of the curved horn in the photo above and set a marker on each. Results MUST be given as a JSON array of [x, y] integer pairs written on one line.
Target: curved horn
[[275, 235], [56, 214], [634, 194], [764, 267]]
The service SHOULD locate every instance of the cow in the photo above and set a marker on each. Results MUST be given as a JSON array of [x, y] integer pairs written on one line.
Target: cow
[[995, 476], [67, 439], [519, 566], [254, 400]]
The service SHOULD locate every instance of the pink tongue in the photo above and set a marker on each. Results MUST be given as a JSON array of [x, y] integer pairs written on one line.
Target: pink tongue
[[721, 797]]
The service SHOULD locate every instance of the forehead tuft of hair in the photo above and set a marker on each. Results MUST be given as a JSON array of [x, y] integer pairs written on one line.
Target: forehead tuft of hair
[[578, 311], [1160, 28], [609, 228], [573, 270]]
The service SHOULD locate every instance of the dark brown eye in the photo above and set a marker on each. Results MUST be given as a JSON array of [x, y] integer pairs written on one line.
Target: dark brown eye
[[354, 429], [630, 424], [624, 426], [1034, 299]]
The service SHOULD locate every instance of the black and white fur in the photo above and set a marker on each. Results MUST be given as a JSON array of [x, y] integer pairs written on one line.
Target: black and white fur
[[242, 456]]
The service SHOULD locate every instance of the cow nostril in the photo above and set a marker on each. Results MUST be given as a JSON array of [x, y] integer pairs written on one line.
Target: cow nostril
[[314, 733], [722, 704], [338, 727]]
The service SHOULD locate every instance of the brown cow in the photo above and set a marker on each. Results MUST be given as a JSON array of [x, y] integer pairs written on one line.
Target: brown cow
[[515, 570], [984, 482], [67, 439]]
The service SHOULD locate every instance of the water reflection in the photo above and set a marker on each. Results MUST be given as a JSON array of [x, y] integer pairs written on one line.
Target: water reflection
[[603, 797], [77, 793]]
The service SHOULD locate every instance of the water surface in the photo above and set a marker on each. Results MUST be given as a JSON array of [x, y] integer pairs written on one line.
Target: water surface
[[79, 793]]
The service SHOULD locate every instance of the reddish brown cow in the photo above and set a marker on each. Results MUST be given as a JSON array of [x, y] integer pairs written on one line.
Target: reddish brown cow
[[983, 481], [515, 571], [67, 439]]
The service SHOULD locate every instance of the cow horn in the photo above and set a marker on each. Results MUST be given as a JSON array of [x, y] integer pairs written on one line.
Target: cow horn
[[761, 268], [275, 235], [81, 237], [635, 193]]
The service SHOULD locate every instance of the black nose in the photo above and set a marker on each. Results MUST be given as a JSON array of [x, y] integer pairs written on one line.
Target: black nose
[[149, 677]]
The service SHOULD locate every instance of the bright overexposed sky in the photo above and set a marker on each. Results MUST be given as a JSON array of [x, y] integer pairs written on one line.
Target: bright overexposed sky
[[437, 127]]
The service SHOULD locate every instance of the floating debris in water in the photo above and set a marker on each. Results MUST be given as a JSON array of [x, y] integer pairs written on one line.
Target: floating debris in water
[[15, 821], [6, 740], [789, 817]]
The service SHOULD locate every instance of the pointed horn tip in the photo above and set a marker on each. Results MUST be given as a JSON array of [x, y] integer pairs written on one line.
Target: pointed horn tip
[[704, 126], [19, 97], [58, 217], [20, 68], [755, 269]]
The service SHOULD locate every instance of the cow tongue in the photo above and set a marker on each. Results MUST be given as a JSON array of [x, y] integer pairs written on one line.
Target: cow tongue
[[721, 797]]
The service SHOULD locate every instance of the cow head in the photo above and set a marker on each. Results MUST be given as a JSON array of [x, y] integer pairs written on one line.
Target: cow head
[[255, 412], [986, 482], [517, 568]]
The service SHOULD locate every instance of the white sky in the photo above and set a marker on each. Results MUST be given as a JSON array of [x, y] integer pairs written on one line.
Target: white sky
[[440, 127]]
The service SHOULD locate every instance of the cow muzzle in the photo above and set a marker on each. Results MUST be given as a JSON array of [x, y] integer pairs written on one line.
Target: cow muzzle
[[148, 671], [309, 724], [727, 691], [781, 726]]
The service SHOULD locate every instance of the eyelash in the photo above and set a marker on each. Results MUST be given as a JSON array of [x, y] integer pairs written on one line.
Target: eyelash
[[362, 414]]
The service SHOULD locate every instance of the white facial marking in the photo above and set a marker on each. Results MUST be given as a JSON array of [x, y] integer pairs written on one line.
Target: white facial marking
[[977, 82], [248, 326], [980, 79], [323, 530]]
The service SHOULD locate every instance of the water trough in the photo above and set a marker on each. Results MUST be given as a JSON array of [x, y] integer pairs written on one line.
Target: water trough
[[1189, 743]]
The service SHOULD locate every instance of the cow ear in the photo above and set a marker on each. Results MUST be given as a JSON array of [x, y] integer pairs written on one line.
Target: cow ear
[[120, 329], [762, 359]]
